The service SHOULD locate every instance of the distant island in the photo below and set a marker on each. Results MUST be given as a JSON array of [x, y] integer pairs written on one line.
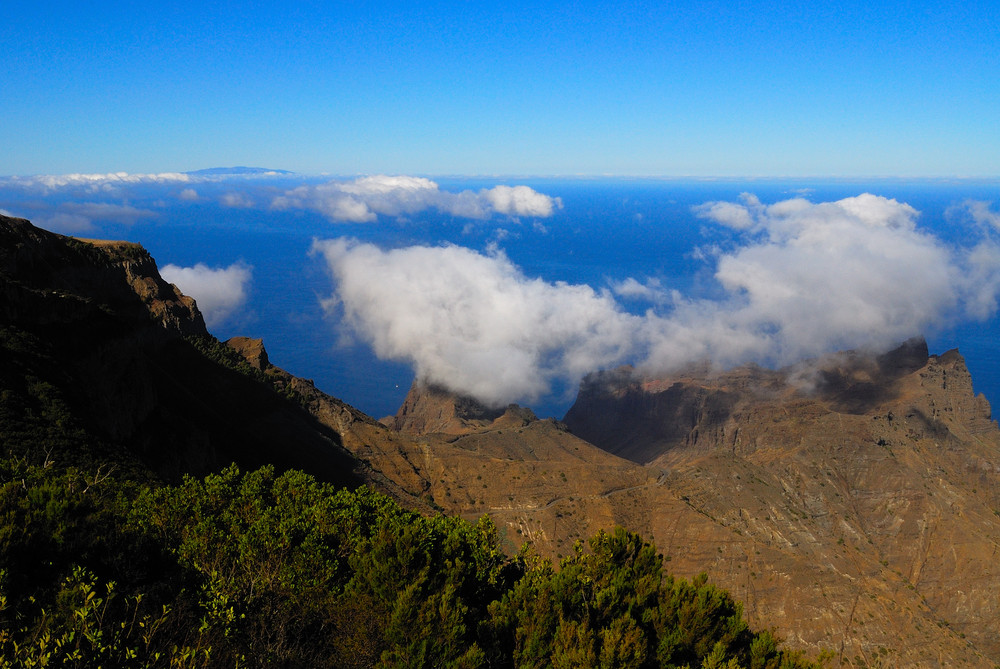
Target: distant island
[[242, 171]]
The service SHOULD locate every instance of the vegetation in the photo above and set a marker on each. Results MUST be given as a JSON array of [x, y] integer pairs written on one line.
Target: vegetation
[[225, 356], [261, 569]]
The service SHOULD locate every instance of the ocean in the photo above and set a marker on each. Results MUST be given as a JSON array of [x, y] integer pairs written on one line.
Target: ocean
[[606, 231]]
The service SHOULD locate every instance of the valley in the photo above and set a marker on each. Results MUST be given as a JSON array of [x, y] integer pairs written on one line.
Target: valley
[[851, 502]]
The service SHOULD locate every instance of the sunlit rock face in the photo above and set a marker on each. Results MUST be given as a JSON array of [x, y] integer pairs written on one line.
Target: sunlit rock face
[[852, 501], [432, 409], [844, 498]]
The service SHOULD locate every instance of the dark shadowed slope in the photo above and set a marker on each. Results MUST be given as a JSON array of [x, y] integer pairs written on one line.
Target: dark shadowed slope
[[103, 356]]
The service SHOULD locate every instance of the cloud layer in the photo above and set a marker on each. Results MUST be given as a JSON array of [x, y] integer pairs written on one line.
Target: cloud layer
[[812, 278], [93, 183], [474, 322], [78, 217], [802, 279], [363, 200], [218, 291]]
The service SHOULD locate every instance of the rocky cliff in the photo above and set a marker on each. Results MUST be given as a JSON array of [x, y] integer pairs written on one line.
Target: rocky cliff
[[430, 409], [106, 359], [853, 502]]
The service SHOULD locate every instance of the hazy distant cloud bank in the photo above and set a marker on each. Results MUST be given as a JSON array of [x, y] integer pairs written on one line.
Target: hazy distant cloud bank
[[123, 185], [93, 183], [110, 181], [363, 200], [78, 217], [360, 200], [802, 279], [219, 292]]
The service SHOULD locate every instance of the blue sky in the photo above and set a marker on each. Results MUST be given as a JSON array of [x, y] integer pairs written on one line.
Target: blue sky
[[688, 88]]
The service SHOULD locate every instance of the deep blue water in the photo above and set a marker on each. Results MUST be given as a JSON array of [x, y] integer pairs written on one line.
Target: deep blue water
[[607, 230]]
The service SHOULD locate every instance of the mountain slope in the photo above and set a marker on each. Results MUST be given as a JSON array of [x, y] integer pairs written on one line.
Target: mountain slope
[[855, 502], [101, 354]]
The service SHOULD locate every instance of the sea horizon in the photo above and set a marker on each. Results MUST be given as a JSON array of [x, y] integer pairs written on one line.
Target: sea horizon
[[602, 231]]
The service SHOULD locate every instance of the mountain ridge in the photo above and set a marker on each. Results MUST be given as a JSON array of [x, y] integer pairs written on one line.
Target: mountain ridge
[[854, 503], [92, 334], [853, 500]]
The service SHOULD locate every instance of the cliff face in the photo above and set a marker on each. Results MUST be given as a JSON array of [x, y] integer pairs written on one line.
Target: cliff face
[[55, 281], [853, 501], [645, 418], [107, 359]]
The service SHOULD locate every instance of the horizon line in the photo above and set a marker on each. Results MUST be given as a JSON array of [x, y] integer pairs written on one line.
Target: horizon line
[[284, 173]]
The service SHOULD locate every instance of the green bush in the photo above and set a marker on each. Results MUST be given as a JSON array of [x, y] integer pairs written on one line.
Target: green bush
[[261, 569]]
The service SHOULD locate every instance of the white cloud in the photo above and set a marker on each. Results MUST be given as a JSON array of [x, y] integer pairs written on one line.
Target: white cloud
[[982, 279], [364, 199], [519, 201], [79, 217], [814, 278], [651, 290], [982, 269], [188, 194], [93, 182], [730, 214], [980, 212], [474, 322], [807, 279], [236, 200], [218, 291]]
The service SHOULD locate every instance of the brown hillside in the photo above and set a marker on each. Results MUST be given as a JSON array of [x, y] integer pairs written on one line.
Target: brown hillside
[[853, 502]]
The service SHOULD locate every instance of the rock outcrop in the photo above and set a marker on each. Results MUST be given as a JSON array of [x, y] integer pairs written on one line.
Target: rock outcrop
[[429, 409], [252, 351]]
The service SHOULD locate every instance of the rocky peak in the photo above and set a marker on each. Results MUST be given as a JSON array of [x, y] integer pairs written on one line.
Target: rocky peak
[[252, 351], [432, 409], [640, 417]]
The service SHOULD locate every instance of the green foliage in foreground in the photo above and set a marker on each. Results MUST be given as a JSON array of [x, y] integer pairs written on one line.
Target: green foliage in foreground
[[259, 569]]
